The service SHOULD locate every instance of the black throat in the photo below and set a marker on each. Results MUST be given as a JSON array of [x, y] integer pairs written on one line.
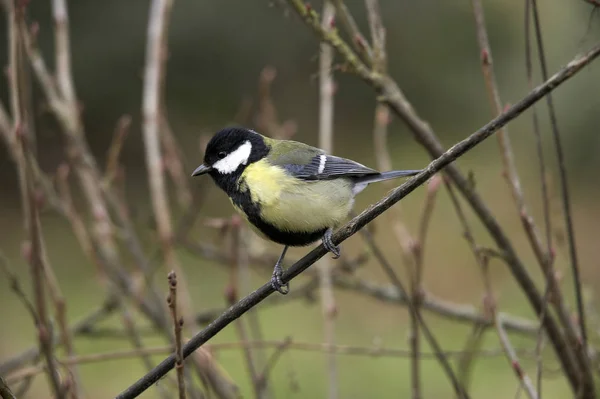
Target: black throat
[[236, 189]]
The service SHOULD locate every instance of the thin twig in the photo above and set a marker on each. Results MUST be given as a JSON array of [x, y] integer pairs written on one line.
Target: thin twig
[[115, 148], [15, 286], [580, 346], [59, 302], [471, 350], [173, 160], [510, 168], [429, 302], [177, 327], [367, 216], [35, 258], [5, 123], [358, 39], [418, 321], [63, 51], [109, 305], [5, 392], [33, 249], [565, 201], [416, 285], [512, 357], [266, 119], [544, 187], [391, 95], [279, 345], [491, 309], [544, 257], [156, 48], [326, 118], [98, 197], [237, 260], [408, 245], [134, 336]]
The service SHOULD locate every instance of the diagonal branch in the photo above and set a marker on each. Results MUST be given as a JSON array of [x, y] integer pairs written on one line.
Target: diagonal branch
[[564, 186], [390, 94], [364, 218]]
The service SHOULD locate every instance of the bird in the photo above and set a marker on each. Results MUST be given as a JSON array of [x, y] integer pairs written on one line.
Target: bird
[[291, 193]]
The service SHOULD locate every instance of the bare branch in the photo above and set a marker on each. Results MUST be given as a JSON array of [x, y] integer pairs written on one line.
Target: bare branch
[[177, 324], [238, 259], [365, 217], [35, 257], [280, 345], [5, 392], [358, 39], [564, 187], [326, 117], [391, 95], [63, 51], [511, 355], [114, 150]]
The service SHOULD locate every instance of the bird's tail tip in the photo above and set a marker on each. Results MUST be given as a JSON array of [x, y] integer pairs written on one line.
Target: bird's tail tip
[[400, 173]]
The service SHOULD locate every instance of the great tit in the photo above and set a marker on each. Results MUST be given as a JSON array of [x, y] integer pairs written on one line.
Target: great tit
[[291, 193]]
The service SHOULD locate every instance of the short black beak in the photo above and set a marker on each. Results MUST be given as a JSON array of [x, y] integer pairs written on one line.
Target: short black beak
[[202, 169]]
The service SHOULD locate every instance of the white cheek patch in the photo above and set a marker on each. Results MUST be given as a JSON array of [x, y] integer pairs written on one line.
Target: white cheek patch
[[232, 162]]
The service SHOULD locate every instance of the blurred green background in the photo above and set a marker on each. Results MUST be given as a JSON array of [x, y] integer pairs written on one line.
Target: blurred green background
[[217, 50]]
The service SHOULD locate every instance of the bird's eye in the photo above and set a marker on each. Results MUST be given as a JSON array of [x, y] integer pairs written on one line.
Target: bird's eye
[[222, 154]]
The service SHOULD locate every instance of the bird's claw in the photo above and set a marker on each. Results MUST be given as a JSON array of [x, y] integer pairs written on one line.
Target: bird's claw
[[329, 245], [276, 281]]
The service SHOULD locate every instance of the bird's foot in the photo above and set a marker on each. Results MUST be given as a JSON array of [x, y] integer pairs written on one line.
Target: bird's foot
[[329, 245], [277, 282]]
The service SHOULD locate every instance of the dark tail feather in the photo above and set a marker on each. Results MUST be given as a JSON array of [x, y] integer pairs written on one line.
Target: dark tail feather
[[392, 174]]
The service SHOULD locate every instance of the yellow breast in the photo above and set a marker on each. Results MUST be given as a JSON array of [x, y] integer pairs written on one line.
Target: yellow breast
[[293, 205]]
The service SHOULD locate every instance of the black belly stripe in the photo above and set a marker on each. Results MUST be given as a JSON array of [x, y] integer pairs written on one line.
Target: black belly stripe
[[241, 198], [298, 239]]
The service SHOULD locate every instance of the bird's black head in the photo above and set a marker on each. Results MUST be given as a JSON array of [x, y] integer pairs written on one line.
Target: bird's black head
[[230, 151]]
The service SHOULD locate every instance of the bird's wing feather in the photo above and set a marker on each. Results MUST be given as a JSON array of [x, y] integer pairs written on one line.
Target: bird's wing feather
[[310, 163], [323, 167]]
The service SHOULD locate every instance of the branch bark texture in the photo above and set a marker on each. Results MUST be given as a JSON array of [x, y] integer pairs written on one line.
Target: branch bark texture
[[445, 159]]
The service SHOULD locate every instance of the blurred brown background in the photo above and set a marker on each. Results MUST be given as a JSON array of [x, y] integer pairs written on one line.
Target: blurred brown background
[[217, 50]]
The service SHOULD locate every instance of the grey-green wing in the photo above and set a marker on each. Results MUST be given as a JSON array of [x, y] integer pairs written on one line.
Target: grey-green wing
[[309, 163]]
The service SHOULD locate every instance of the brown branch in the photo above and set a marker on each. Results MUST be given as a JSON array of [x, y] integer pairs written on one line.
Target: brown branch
[[156, 48], [177, 327], [66, 338], [63, 51], [5, 123], [83, 325], [429, 302], [287, 343], [545, 258], [15, 286], [408, 245], [512, 357], [237, 260], [33, 249], [466, 361], [5, 392], [36, 261], [174, 163], [274, 358], [134, 336], [326, 132], [391, 94], [358, 39], [544, 189], [581, 348], [115, 148], [266, 119]]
